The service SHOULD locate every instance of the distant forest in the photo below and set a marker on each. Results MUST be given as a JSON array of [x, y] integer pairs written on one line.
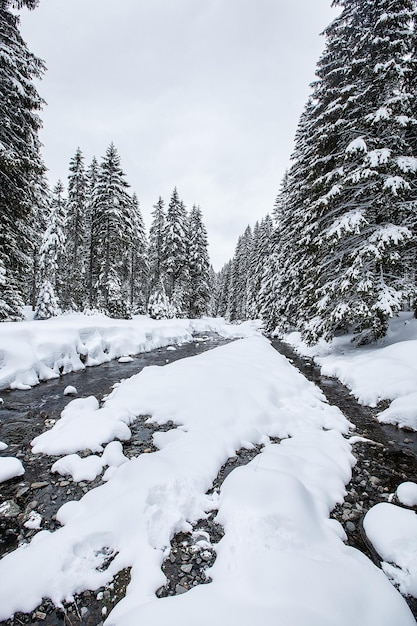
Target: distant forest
[[337, 254]]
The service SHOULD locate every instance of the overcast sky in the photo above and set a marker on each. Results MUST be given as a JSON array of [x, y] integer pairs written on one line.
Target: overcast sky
[[204, 95]]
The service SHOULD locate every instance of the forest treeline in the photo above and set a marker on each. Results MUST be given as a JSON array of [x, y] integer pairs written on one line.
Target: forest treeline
[[338, 254]]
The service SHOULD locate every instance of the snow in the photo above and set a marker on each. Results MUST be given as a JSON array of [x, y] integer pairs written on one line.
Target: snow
[[392, 531], [357, 145], [3, 446], [407, 493], [386, 370], [70, 391], [125, 359], [34, 522], [32, 351], [396, 183], [88, 468], [10, 467], [280, 555]]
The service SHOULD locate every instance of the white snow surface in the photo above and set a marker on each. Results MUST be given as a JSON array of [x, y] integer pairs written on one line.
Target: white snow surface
[[407, 493], [10, 467], [386, 370], [281, 555], [36, 350], [392, 531]]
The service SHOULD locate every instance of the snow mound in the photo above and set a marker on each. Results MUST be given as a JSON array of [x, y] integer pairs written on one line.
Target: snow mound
[[10, 467], [70, 391], [392, 531], [407, 493]]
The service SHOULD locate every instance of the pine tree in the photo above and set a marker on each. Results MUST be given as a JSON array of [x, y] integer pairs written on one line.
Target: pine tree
[[91, 258], [76, 250], [175, 254], [52, 253], [111, 235], [199, 265], [223, 291], [138, 259], [156, 244], [21, 167], [350, 202], [240, 277], [47, 304], [260, 253]]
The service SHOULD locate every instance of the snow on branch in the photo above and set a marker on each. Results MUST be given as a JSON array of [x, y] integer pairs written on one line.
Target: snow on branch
[[357, 145], [351, 222], [395, 183]]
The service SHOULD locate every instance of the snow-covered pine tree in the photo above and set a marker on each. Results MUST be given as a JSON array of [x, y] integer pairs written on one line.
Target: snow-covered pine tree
[[277, 295], [47, 304], [260, 253], [175, 254], [159, 306], [223, 291], [52, 252], [365, 228], [75, 296], [240, 276], [139, 264], [21, 166], [11, 303], [156, 244], [351, 191], [111, 235], [199, 265], [91, 258]]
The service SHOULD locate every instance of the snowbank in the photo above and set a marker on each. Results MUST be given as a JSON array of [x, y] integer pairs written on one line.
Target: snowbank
[[32, 351], [10, 467], [384, 371], [280, 555], [392, 531]]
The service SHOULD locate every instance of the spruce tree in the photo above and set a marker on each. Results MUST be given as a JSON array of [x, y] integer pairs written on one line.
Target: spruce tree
[[111, 235], [52, 253], [240, 277], [91, 257], [349, 207], [156, 245], [199, 265], [76, 235], [21, 167], [138, 260], [175, 254]]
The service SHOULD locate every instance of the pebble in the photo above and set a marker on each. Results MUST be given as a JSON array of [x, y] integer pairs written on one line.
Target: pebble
[[39, 485], [64, 483], [180, 589], [187, 568], [350, 527], [39, 615]]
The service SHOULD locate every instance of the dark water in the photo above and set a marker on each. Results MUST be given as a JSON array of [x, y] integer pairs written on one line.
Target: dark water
[[23, 413]]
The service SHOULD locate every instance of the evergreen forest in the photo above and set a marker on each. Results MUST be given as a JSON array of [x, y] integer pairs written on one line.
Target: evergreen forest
[[337, 254]]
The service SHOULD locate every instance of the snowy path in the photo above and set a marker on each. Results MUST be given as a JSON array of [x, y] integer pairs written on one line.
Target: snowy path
[[280, 555]]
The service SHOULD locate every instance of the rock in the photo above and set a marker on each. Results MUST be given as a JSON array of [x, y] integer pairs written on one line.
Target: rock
[[9, 509], [350, 527], [64, 483], [186, 568], [22, 491], [39, 615], [180, 589], [39, 485]]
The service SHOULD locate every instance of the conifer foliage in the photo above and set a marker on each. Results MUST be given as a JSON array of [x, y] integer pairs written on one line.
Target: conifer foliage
[[344, 245], [21, 166]]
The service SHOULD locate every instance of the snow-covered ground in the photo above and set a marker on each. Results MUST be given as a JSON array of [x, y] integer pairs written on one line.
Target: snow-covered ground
[[281, 557], [32, 351], [384, 371]]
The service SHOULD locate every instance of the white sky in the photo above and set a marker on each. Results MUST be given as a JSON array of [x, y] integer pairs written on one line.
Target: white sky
[[204, 95]]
